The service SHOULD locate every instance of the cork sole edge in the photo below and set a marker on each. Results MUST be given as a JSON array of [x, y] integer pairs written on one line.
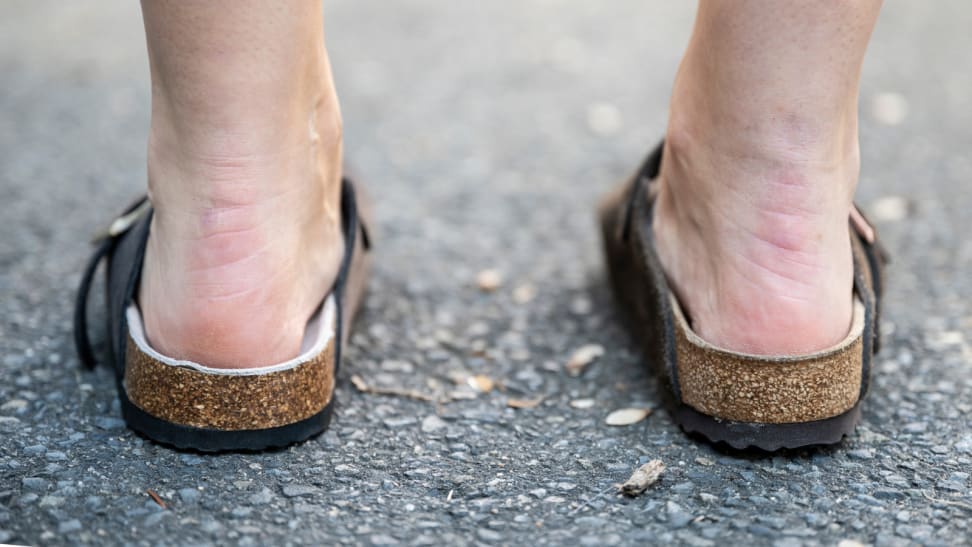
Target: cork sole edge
[[185, 437], [738, 435]]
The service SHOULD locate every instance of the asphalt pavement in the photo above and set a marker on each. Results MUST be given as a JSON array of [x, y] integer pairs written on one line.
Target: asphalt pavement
[[485, 132]]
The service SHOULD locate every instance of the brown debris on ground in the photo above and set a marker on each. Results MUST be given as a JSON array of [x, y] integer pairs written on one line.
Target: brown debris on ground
[[642, 478], [583, 356]]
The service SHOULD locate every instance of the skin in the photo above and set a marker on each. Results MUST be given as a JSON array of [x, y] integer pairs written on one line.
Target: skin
[[760, 167], [244, 165]]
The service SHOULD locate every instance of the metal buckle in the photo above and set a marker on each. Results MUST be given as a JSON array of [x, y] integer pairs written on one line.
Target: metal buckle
[[123, 223]]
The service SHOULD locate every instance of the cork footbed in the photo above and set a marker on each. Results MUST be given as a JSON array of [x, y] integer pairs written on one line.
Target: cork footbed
[[194, 395], [754, 388]]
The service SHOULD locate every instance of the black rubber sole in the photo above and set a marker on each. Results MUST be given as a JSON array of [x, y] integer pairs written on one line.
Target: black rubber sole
[[637, 294], [215, 440], [769, 437]]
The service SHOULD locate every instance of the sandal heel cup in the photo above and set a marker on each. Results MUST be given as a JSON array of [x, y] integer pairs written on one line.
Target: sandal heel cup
[[193, 395], [191, 406], [745, 401], [754, 388]]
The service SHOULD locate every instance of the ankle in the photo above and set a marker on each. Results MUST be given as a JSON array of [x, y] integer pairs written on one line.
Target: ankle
[[704, 177], [782, 119], [756, 244]]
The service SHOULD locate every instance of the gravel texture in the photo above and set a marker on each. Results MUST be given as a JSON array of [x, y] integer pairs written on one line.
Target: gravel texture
[[485, 131]]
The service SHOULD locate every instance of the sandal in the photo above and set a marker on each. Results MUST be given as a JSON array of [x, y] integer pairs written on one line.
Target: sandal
[[189, 405], [743, 400]]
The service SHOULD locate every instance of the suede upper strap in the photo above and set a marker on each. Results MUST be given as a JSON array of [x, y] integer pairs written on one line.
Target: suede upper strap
[[646, 173], [105, 244]]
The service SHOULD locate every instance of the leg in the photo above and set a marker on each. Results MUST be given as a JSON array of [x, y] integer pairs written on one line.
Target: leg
[[760, 166], [244, 167]]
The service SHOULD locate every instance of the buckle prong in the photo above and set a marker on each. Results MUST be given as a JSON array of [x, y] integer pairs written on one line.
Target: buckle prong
[[123, 223]]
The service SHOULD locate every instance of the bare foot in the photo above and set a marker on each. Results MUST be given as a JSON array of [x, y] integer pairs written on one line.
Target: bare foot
[[241, 254], [245, 241], [758, 176], [756, 245]]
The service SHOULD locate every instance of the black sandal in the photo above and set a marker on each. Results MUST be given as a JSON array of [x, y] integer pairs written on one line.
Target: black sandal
[[743, 400], [189, 405]]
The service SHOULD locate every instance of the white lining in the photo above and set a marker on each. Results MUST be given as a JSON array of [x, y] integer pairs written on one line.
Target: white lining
[[319, 332]]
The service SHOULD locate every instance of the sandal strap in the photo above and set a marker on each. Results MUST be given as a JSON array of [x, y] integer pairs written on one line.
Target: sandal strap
[[105, 244], [81, 341], [645, 174], [352, 224], [870, 258]]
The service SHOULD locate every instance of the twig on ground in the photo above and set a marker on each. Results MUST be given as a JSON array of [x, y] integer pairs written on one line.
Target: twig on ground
[[959, 504], [394, 392], [593, 498], [156, 498]]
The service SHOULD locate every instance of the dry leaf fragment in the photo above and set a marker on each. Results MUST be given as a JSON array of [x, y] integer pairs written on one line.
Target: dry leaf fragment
[[359, 383], [363, 387], [627, 416], [462, 395], [582, 357], [582, 403], [489, 280], [524, 403], [642, 478], [481, 383]]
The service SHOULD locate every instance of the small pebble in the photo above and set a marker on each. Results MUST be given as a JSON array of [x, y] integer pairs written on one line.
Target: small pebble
[[604, 119], [382, 539], [69, 526], [677, 516], [708, 498], [524, 293], [35, 450], [488, 535], [14, 405], [889, 108], [582, 357], [489, 280], [627, 416], [34, 484], [432, 423], [860, 454], [296, 490], [51, 501], [189, 496], [889, 209]]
